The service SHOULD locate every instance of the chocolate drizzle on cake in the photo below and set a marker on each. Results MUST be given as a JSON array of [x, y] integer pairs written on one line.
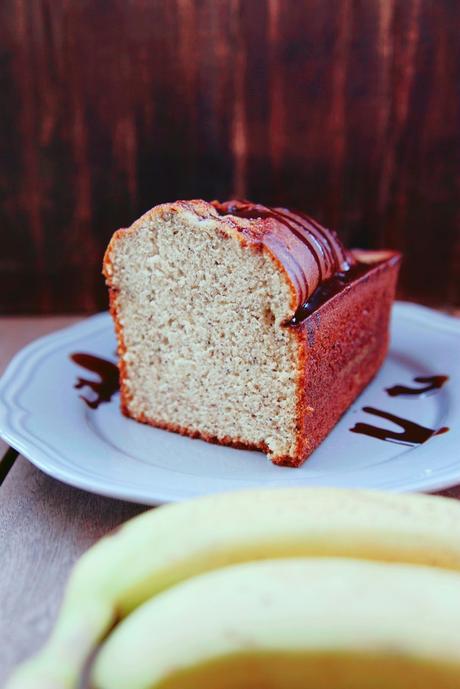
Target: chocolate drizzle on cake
[[314, 257], [431, 383], [411, 434], [328, 289], [106, 386]]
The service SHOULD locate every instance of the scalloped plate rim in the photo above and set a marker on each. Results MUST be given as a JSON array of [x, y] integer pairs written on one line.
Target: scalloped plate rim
[[24, 441]]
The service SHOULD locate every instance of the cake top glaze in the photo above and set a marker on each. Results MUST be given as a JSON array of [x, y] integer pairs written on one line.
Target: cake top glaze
[[310, 253]]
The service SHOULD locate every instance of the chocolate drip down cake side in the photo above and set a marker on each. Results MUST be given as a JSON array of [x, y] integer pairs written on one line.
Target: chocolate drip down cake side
[[245, 325]]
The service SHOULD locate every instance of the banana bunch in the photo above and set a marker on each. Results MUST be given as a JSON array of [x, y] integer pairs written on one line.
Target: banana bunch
[[293, 624], [266, 589]]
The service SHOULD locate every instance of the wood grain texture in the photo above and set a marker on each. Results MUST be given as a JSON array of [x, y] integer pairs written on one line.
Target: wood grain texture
[[349, 110], [17, 332], [44, 527]]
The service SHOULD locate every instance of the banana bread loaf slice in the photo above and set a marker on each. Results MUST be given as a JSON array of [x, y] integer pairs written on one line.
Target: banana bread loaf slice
[[245, 325]]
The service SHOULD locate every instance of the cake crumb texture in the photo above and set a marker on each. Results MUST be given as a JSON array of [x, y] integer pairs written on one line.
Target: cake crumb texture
[[200, 318]]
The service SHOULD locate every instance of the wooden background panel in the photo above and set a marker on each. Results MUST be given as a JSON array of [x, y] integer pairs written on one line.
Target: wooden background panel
[[344, 108]]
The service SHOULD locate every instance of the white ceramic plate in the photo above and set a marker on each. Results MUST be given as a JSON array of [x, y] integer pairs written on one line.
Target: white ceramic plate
[[43, 416]]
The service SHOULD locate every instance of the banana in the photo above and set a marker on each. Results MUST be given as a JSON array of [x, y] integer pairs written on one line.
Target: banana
[[163, 547], [297, 623]]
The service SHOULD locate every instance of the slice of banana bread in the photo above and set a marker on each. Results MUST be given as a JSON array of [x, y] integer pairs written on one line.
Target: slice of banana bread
[[245, 325]]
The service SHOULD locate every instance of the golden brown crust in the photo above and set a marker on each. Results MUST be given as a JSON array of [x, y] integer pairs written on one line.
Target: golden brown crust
[[121, 349], [343, 345], [193, 433], [227, 441], [247, 233]]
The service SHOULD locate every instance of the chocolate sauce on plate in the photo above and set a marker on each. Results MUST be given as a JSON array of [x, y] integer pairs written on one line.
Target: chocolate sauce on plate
[[411, 434], [108, 383], [431, 383]]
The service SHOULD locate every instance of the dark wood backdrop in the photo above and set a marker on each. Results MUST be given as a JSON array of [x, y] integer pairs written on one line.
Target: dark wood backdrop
[[349, 109]]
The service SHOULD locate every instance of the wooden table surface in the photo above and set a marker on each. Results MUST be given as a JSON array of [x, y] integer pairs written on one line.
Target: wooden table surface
[[45, 526]]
